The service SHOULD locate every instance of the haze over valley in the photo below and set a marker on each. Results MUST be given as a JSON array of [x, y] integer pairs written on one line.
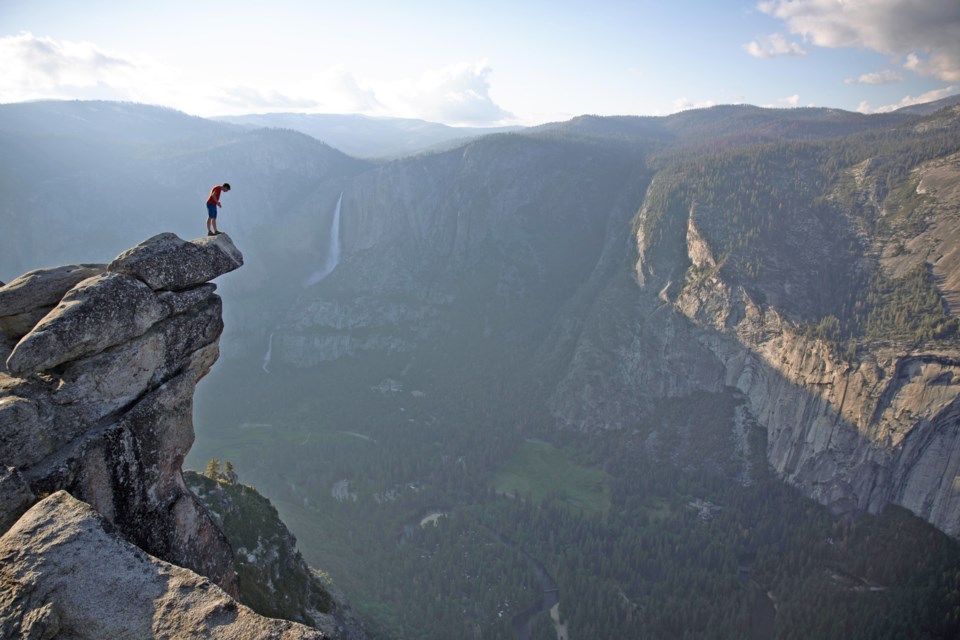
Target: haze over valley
[[613, 377]]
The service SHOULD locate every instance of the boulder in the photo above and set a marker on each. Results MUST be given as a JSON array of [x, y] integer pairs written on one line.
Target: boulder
[[98, 313], [16, 326], [23, 438], [26, 300], [178, 302], [129, 471], [6, 347], [15, 496], [64, 572], [167, 262], [41, 416], [43, 287]]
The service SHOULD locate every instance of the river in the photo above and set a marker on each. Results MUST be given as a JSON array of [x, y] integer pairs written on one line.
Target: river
[[550, 601]]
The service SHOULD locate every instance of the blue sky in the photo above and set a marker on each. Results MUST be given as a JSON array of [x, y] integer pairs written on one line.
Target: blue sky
[[482, 63]]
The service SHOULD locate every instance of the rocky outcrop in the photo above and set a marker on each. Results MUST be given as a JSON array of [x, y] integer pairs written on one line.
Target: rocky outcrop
[[167, 262], [27, 299], [938, 182], [15, 497], [65, 573], [97, 400], [96, 397], [97, 313]]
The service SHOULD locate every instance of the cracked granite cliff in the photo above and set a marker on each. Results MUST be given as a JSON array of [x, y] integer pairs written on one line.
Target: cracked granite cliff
[[102, 536]]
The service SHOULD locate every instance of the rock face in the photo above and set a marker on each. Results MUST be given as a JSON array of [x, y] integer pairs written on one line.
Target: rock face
[[96, 400], [855, 433], [65, 573], [97, 313], [853, 436], [167, 262], [31, 296]]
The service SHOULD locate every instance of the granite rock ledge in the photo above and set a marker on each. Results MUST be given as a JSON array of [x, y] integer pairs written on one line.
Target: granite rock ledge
[[98, 366]]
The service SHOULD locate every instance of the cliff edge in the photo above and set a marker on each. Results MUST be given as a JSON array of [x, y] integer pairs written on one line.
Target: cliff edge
[[99, 366]]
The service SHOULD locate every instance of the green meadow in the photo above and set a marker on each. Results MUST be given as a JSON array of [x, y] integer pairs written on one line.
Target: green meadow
[[539, 470]]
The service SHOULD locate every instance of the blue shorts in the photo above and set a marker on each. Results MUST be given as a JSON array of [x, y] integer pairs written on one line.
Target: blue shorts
[[212, 210]]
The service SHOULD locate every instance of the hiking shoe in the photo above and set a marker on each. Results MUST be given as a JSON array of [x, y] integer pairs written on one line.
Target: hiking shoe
[[210, 233], [217, 233]]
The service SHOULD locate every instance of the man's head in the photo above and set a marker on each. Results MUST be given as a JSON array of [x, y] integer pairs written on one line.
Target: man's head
[[225, 186]]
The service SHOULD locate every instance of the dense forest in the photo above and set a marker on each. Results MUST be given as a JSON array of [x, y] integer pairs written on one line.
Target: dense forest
[[859, 194], [677, 529]]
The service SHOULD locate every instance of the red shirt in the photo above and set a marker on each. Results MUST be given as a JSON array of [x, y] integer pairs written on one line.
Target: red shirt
[[215, 195]]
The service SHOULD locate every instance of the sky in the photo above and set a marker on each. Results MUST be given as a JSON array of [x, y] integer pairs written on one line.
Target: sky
[[481, 63]]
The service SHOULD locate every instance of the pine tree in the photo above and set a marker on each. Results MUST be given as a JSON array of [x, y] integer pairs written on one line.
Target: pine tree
[[213, 469], [229, 472]]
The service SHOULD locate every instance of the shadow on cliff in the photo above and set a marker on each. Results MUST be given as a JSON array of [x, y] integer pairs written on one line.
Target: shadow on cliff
[[852, 435]]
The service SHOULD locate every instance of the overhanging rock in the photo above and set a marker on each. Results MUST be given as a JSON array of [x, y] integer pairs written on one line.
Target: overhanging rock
[[168, 262]]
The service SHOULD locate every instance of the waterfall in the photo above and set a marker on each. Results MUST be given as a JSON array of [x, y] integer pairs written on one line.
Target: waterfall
[[268, 354], [333, 251]]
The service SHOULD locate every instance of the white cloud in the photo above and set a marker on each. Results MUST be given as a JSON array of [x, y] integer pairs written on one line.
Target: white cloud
[[41, 68], [924, 34], [907, 101], [937, 64], [456, 94], [334, 90], [37, 68], [887, 76], [786, 102], [684, 104], [247, 98], [45, 68], [772, 46], [357, 98]]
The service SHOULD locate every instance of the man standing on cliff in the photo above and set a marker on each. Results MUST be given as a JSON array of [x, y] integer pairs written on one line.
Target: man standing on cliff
[[213, 201]]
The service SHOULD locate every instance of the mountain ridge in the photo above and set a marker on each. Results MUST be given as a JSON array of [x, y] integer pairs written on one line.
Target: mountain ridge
[[367, 136]]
